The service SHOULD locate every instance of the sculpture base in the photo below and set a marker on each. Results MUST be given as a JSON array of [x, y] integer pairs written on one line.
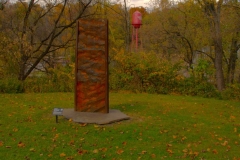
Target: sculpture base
[[95, 117]]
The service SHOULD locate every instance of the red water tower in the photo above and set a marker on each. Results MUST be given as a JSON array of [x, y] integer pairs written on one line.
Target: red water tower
[[137, 19], [136, 22]]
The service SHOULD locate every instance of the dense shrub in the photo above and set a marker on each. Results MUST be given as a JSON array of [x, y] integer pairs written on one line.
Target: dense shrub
[[11, 85], [196, 87], [231, 92], [148, 72], [143, 72]]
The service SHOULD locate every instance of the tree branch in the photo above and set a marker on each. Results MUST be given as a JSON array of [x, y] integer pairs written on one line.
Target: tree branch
[[54, 34], [208, 55]]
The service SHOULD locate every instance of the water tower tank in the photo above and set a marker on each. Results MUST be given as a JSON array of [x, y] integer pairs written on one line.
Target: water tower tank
[[137, 19]]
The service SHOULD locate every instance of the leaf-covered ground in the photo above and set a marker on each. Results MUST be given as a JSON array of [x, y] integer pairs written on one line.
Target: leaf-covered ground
[[161, 127]]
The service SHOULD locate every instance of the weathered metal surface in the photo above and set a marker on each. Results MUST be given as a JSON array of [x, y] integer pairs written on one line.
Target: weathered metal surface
[[91, 90]]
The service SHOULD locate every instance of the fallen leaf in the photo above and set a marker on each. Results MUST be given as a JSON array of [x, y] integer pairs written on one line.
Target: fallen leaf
[[95, 151], [54, 129], [169, 151], [220, 139], [120, 151], [15, 129], [32, 150], [232, 118], [62, 155], [165, 131], [82, 139], [196, 153], [1, 143], [81, 152], [71, 142], [224, 143], [183, 138], [69, 158], [83, 124], [143, 152], [56, 136], [235, 130], [169, 145], [185, 150], [21, 144], [190, 152], [124, 143], [153, 155], [215, 151], [103, 149], [70, 120], [103, 156], [174, 137]]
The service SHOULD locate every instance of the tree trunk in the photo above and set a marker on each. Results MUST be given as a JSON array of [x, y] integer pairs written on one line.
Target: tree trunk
[[127, 25], [213, 12], [21, 72], [22, 67], [218, 66], [232, 59], [217, 38]]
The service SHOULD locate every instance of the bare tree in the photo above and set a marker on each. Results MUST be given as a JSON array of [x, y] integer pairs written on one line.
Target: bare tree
[[43, 28]]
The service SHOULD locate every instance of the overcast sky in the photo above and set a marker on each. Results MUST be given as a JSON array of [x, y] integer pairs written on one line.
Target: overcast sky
[[137, 3]]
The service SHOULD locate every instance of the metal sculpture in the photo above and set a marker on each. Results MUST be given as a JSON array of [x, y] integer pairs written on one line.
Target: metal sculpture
[[91, 89]]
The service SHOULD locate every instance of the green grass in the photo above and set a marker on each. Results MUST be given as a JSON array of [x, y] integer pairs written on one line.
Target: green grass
[[161, 127]]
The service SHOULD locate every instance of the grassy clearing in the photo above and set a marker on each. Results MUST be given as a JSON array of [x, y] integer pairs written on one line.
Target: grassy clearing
[[161, 127]]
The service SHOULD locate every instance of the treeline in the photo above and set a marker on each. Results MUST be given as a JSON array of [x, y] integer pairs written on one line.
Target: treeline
[[189, 47]]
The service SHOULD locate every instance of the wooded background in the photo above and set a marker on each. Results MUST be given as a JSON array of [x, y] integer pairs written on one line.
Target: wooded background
[[189, 47]]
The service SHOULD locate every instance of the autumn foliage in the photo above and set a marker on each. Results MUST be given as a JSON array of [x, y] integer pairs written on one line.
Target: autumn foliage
[[180, 50]]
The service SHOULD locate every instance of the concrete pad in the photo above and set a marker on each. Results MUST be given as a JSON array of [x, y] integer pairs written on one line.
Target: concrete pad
[[95, 117]]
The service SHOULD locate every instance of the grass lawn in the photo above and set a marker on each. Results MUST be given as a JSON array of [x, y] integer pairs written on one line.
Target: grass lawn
[[161, 127]]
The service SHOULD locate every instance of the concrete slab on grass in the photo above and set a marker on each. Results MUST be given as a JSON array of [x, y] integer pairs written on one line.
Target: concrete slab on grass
[[95, 117]]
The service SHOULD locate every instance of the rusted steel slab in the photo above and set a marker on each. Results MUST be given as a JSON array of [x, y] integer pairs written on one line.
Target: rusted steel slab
[[91, 73]]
